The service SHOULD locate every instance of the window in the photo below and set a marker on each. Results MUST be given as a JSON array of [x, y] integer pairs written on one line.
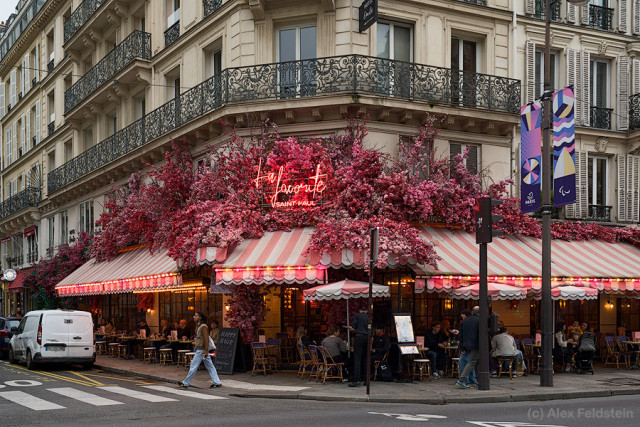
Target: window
[[464, 66], [64, 227], [297, 44], [86, 217], [598, 169], [212, 62], [599, 84], [51, 226], [87, 136], [394, 42], [32, 246], [174, 12], [539, 73], [472, 161], [172, 80], [112, 123]]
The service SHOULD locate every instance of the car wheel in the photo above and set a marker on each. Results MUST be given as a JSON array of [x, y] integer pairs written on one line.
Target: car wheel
[[12, 357], [30, 363]]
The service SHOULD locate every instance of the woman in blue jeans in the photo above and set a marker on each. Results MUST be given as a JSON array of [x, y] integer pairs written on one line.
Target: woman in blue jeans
[[202, 354]]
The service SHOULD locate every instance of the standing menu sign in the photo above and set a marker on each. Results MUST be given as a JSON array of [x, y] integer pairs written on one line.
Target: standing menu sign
[[404, 330], [367, 14], [226, 350]]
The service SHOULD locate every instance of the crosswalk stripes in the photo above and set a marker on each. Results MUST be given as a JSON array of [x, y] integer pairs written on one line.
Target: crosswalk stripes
[[137, 394], [29, 401], [183, 392], [85, 397]]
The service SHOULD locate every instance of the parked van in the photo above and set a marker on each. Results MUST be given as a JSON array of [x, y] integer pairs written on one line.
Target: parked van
[[53, 336]]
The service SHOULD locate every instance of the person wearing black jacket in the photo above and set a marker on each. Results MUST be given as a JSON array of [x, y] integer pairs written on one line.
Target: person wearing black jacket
[[469, 343], [381, 344], [360, 327], [435, 340]]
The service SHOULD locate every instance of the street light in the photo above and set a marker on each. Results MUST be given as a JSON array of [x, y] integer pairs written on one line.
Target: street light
[[546, 374]]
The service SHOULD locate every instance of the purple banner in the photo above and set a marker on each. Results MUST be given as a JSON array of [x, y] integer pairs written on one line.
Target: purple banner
[[530, 156], [564, 136]]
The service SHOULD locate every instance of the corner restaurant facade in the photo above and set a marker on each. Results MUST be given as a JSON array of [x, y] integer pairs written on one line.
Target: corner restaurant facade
[[282, 263]]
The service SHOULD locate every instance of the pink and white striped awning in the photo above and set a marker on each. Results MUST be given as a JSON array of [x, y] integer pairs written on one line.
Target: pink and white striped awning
[[132, 270], [496, 291], [344, 289]]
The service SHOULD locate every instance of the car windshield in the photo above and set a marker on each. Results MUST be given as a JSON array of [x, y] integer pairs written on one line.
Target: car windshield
[[13, 324]]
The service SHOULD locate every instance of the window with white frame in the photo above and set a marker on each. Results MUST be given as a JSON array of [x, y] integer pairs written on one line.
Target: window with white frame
[[51, 235], [394, 42], [86, 217], [472, 161], [598, 170], [212, 60], [539, 72], [32, 246], [64, 227], [599, 83], [297, 44], [173, 14]]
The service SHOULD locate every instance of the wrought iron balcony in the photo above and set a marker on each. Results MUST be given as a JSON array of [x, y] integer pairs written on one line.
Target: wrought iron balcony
[[79, 16], [600, 213], [29, 197], [352, 75], [51, 127], [478, 2], [171, 34], [136, 46], [211, 6], [601, 117], [50, 66], [601, 17], [634, 112], [540, 10], [32, 256]]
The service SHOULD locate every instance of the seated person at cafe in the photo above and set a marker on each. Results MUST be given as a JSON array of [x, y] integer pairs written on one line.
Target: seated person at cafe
[[214, 333], [504, 346], [574, 331], [301, 336], [109, 328], [562, 350], [165, 329], [381, 344], [143, 326], [435, 340], [335, 346], [183, 330], [586, 345]]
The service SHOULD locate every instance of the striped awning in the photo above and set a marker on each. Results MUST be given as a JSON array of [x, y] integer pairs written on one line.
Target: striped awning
[[130, 271]]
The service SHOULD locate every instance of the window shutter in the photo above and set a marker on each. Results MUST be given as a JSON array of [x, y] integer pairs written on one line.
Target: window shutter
[[455, 149], [623, 93], [21, 84], [23, 145], [27, 72], [36, 125], [473, 159], [622, 16], [12, 88], [530, 92], [28, 130], [584, 14], [635, 76], [636, 17], [530, 7], [28, 183], [36, 179], [583, 179], [36, 63], [622, 194], [15, 140], [2, 100], [585, 87], [22, 182], [571, 13], [572, 79], [633, 185], [9, 145]]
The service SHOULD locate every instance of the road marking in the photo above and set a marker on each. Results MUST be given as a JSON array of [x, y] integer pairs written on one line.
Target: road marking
[[82, 396], [56, 376], [137, 394], [95, 382], [29, 401], [140, 381], [22, 383], [410, 417], [183, 392]]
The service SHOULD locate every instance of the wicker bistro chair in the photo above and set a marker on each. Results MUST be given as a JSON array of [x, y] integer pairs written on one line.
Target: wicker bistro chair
[[613, 352], [273, 352], [625, 352], [260, 358], [330, 369], [286, 347], [529, 355], [304, 362], [316, 363]]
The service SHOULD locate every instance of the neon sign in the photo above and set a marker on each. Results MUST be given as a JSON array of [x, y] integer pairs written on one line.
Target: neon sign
[[282, 190]]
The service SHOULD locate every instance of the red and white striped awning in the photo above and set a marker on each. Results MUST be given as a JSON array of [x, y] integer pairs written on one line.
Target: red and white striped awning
[[495, 291], [132, 270], [276, 257]]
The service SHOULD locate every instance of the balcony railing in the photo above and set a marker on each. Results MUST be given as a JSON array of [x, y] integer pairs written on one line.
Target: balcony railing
[[211, 6], [171, 34], [29, 197], [601, 17], [50, 66], [601, 117], [79, 16], [634, 112], [136, 46], [352, 75], [32, 256], [600, 213], [478, 2], [540, 10], [51, 127]]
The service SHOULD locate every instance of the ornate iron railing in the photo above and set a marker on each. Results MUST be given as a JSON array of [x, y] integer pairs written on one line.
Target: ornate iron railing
[[29, 197], [601, 17], [171, 34], [600, 213], [79, 16], [136, 46], [478, 2], [540, 10], [51, 127], [601, 117], [634, 112], [352, 74], [50, 66], [211, 6]]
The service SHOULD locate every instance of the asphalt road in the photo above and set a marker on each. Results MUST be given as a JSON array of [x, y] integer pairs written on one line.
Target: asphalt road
[[67, 395]]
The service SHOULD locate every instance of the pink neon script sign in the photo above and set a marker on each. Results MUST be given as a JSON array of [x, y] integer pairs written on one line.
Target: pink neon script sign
[[287, 192]]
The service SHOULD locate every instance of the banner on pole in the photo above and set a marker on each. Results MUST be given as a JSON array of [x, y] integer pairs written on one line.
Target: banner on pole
[[530, 156], [564, 158]]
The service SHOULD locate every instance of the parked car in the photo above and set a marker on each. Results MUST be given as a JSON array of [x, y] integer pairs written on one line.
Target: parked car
[[6, 323], [53, 336]]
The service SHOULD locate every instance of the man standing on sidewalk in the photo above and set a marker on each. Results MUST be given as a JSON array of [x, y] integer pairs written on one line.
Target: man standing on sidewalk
[[469, 343], [360, 327], [202, 354]]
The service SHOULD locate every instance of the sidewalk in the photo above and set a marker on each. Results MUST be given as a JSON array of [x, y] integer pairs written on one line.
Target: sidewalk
[[285, 385]]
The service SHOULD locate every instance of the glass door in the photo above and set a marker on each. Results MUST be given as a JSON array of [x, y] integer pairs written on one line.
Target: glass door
[[297, 49], [463, 71]]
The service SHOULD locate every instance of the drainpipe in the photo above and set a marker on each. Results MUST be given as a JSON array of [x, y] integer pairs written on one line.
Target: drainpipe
[[514, 61]]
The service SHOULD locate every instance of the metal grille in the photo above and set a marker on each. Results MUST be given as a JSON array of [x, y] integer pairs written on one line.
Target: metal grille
[[211, 6], [601, 117], [600, 213], [136, 46], [600, 17], [634, 112], [540, 10], [478, 2], [79, 16], [171, 34], [29, 197]]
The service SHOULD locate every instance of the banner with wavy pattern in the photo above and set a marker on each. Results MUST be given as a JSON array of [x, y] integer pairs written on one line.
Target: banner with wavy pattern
[[564, 136], [530, 156]]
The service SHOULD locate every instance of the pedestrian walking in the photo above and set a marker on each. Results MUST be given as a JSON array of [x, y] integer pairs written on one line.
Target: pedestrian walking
[[469, 343], [360, 326], [202, 353]]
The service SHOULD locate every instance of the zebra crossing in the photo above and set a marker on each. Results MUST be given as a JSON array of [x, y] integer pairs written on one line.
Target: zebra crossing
[[112, 396]]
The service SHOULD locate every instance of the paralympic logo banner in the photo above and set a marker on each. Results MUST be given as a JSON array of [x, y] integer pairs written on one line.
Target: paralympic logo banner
[[530, 156], [564, 137]]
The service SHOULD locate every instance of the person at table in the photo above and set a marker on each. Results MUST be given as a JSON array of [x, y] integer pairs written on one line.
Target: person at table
[[302, 337], [574, 331], [202, 354], [562, 349], [215, 332], [165, 328], [380, 345], [142, 326], [183, 330], [360, 327], [109, 328], [335, 346], [435, 340], [504, 346]]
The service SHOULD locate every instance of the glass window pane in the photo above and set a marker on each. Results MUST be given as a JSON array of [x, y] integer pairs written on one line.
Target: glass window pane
[[601, 185], [383, 44], [539, 78], [287, 45], [455, 53], [402, 44], [308, 42], [591, 172]]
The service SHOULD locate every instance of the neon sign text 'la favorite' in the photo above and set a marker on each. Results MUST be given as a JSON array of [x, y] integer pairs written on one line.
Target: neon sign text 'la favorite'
[[286, 192]]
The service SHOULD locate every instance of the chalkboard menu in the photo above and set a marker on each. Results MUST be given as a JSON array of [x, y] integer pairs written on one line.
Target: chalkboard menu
[[226, 350]]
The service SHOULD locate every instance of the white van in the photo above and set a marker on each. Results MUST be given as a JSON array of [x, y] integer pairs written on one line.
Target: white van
[[53, 336]]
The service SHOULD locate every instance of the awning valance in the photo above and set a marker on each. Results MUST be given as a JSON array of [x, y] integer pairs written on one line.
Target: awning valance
[[129, 271], [17, 285]]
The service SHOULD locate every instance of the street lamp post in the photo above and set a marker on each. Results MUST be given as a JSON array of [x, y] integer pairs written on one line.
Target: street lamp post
[[546, 374]]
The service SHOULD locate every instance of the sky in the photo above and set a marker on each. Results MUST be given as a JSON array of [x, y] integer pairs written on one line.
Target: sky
[[7, 7]]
